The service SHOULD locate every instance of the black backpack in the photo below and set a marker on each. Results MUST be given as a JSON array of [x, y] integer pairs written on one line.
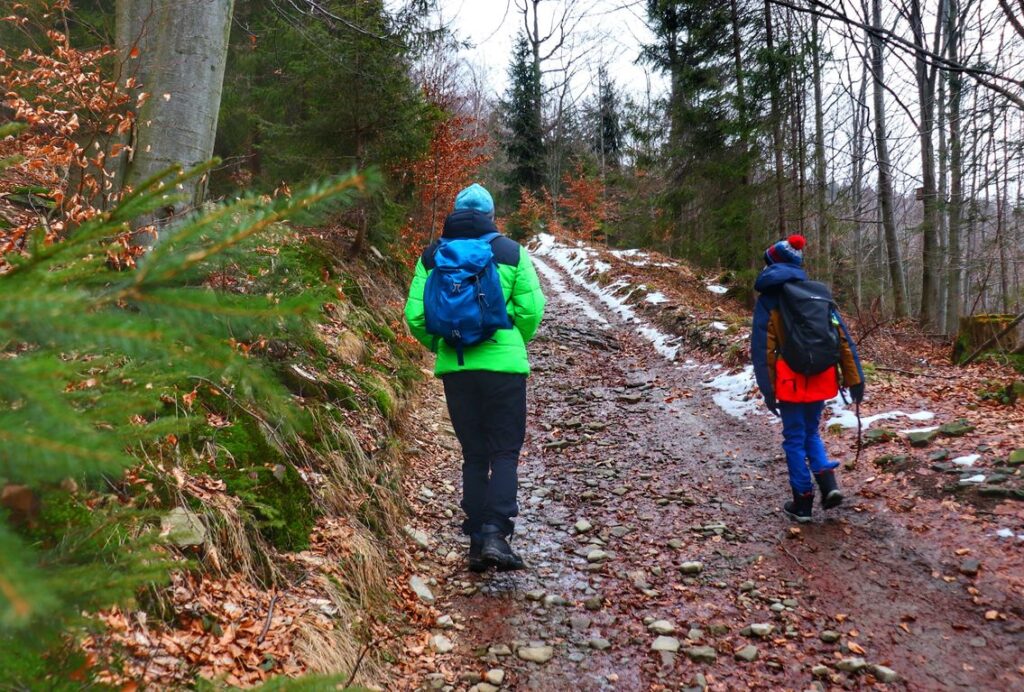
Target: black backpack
[[809, 316]]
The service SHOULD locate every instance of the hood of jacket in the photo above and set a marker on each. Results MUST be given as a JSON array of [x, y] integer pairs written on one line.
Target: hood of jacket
[[773, 276], [468, 223]]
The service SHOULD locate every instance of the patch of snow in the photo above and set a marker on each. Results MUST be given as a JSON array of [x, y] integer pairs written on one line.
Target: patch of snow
[[846, 418], [720, 326], [735, 393], [980, 478], [715, 288], [1005, 533], [557, 283], [578, 264], [967, 460], [656, 298]]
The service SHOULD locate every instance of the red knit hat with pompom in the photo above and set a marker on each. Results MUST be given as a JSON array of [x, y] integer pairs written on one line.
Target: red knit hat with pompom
[[789, 250]]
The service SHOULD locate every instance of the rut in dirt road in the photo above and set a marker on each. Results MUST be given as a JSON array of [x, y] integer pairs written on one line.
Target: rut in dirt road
[[660, 560]]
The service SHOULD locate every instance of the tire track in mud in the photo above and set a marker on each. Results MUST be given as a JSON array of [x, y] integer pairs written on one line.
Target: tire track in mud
[[678, 506]]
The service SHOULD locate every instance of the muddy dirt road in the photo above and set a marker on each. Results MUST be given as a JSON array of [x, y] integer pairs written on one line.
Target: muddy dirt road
[[650, 518]]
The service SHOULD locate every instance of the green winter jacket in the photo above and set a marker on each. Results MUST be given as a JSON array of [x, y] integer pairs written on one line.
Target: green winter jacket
[[506, 352]]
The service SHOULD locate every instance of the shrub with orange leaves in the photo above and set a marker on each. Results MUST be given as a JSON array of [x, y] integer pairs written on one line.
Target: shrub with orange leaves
[[584, 205], [454, 156], [76, 116]]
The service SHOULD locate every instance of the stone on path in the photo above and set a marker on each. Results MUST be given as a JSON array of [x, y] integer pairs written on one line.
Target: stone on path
[[536, 654], [970, 567], [701, 654], [884, 674], [495, 676], [599, 644], [445, 621], [597, 555], [594, 603], [662, 627], [748, 653], [852, 665], [420, 588], [829, 636], [762, 629], [670, 644], [418, 537], [535, 595], [821, 671], [500, 650], [582, 526], [441, 644], [484, 687], [692, 567]]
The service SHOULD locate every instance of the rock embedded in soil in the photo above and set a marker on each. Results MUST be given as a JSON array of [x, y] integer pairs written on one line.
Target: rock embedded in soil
[[747, 653], [596, 555], [500, 650], [691, 567], [970, 567], [495, 676], [1016, 457], [746, 587], [701, 654], [441, 644], [852, 665], [923, 438], [829, 636], [662, 627], [599, 644], [582, 526], [820, 671], [594, 603], [484, 687], [670, 644], [420, 588], [535, 594], [536, 654], [445, 621], [884, 674], [762, 629], [579, 622]]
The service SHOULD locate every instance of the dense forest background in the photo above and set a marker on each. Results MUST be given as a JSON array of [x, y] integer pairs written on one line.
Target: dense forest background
[[156, 305]]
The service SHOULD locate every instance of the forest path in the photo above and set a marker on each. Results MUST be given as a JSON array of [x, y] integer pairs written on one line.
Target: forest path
[[681, 522]]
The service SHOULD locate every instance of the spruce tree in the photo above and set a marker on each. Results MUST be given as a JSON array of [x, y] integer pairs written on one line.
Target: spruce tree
[[608, 140], [524, 141], [66, 316]]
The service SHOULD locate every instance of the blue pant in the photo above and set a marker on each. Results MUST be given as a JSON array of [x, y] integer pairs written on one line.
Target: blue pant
[[802, 443]]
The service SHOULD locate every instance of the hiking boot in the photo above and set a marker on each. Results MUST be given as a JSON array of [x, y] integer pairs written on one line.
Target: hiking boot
[[830, 495], [475, 561], [498, 552], [799, 509]]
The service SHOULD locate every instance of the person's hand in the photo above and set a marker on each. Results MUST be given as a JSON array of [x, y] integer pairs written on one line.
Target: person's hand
[[857, 393], [772, 405]]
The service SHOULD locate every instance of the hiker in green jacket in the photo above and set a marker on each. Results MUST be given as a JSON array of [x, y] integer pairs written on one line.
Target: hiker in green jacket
[[484, 384]]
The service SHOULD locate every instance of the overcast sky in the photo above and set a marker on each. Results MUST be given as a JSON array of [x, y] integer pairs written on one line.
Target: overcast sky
[[491, 27]]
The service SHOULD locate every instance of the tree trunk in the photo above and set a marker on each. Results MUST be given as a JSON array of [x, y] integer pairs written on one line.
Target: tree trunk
[[928, 315], [956, 169], [177, 51], [885, 193], [820, 184], [860, 116], [776, 118]]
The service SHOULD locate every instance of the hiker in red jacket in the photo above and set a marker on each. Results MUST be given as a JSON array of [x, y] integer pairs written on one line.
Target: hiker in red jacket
[[797, 317]]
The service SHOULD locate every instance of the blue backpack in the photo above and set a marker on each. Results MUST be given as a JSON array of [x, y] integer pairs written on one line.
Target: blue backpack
[[462, 300]]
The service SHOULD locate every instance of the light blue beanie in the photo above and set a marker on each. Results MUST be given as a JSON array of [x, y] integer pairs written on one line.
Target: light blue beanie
[[476, 197]]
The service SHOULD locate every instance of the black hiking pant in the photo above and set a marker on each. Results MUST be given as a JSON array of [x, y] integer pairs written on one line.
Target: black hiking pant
[[488, 412]]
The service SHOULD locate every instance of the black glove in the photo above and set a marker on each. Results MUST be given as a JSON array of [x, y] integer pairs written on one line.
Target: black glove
[[857, 393], [772, 405]]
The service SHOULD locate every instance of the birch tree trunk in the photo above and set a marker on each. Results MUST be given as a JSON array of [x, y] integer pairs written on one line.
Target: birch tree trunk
[[885, 193], [177, 52]]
